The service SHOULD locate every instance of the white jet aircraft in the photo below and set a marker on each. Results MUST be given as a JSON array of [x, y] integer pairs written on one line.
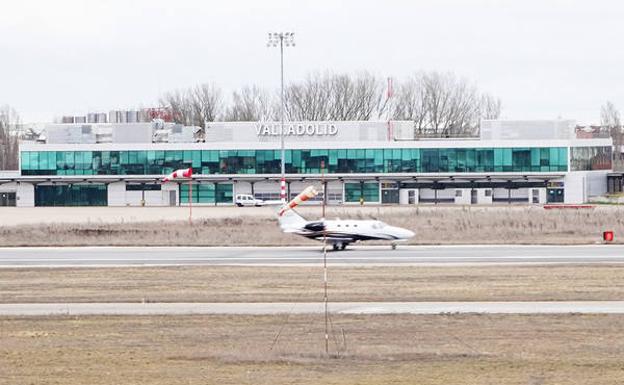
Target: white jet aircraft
[[339, 233]]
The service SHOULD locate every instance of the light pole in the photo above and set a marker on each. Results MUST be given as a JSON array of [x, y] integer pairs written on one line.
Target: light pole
[[282, 39]]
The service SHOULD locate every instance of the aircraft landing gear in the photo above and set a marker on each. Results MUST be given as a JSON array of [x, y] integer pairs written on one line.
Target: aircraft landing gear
[[339, 246], [394, 246]]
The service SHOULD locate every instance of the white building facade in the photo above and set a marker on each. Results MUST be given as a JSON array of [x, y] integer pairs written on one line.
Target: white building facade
[[528, 162]]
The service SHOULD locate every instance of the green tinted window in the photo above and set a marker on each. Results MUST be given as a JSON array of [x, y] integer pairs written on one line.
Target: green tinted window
[[423, 160], [71, 195]]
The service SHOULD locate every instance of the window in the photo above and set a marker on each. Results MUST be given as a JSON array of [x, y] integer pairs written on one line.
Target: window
[[590, 158], [368, 191], [71, 195], [143, 187], [488, 193], [458, 193], [406, 160]]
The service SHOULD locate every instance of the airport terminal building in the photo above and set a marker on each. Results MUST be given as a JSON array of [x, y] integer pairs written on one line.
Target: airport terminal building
[[121, 164]]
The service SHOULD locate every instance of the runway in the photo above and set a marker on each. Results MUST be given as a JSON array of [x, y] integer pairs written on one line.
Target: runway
[[579, 307], [294, 256]]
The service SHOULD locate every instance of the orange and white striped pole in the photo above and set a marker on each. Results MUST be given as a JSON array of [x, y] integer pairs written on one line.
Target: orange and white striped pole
[[303, 196], [283, 190]]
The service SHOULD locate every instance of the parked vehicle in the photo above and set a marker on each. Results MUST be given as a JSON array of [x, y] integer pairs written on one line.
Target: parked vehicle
[[247, 200]]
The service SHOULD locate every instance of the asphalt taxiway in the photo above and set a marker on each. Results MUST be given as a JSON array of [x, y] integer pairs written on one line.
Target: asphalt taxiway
[[554, 307]]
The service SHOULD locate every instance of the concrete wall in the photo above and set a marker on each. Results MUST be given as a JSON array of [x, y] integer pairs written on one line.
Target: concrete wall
[[581, 185], [8, 187], [25, 194], [484, 196], [404, 196], [117, 194], [462, 196]]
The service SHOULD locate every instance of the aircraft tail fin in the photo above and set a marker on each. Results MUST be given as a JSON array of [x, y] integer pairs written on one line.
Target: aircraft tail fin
[[289, 219]]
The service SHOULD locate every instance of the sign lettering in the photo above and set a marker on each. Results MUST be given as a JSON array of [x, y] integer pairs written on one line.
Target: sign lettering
[[297, 129]]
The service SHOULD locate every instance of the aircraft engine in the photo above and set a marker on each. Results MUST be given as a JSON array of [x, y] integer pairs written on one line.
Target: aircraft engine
[[315, 226]]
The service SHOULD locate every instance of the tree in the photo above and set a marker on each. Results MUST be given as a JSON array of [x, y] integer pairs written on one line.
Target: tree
[[252, 104], [440, 104], [194, 106], [336, 97], [9, 140], [490, 107], [610, 121]]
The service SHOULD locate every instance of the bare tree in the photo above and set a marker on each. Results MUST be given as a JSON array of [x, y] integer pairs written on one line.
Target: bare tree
[[252, 104], [440, 104], [179, 104], [309, 99], [336, 97], [409, 103], [490, 107], [194, 106], [207, 104], [9, 141], [452, 104], [359, 97], [610, 120]]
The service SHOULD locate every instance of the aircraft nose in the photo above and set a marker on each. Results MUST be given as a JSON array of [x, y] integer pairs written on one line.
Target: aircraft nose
[[404, 233]]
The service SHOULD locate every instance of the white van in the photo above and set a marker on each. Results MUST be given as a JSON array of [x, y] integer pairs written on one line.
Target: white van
[[247, 200]]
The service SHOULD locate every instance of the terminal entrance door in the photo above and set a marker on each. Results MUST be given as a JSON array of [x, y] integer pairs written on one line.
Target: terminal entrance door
[[389, 192], [7, 199], [172, 198], [473, 197], [555, 195]]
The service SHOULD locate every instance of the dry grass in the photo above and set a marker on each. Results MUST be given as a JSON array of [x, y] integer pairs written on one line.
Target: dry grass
[[433, 225], [428, 350], [304, 284]]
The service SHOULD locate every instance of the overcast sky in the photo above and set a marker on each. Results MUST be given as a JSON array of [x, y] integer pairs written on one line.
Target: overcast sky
[[544, 59]]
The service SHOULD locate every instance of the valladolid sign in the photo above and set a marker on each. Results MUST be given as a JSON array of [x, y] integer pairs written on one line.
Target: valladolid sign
[[297, 129]]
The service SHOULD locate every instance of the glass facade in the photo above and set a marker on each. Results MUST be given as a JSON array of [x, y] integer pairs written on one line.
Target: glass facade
[[71, 195], [590, 158], [207, 162], [207, 193], [367, 190]]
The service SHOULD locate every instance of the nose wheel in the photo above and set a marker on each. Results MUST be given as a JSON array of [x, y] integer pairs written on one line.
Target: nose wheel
[[339, 246], [394, 246]]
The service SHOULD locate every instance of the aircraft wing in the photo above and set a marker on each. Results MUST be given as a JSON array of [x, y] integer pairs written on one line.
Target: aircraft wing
[[338, 239]]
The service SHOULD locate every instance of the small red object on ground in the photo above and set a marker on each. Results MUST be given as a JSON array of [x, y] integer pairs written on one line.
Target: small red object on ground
[[607, 236]]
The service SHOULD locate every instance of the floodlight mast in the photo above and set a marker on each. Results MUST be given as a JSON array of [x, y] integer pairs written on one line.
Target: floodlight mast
[[282, 39]]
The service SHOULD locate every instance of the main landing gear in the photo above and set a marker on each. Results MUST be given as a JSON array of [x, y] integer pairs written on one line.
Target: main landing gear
[[339, 246]]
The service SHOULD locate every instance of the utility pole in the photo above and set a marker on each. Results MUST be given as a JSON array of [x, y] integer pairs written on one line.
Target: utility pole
[[282, 39], [325, 297]]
